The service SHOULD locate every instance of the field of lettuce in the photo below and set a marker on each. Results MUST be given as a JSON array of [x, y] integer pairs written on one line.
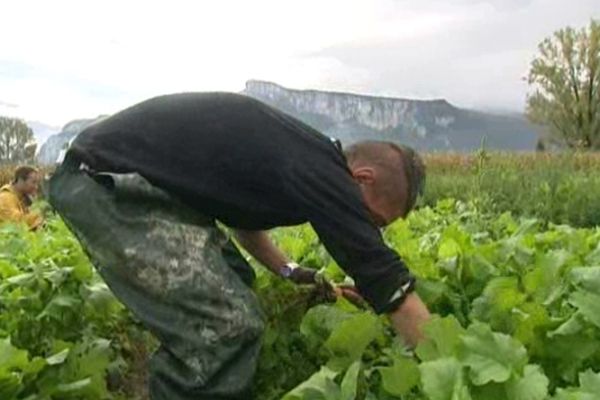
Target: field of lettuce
[[518, 303]]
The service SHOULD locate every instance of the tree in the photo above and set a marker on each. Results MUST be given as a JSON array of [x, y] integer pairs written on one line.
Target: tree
[[565, 77], [16, 141]]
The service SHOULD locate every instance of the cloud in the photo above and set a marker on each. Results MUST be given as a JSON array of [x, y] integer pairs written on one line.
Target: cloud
[[8, 105], [81, 59], [502, 5], [477, 59]]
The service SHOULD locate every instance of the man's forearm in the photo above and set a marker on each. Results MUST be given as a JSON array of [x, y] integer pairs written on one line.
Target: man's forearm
[[261, 247], [408, 319]]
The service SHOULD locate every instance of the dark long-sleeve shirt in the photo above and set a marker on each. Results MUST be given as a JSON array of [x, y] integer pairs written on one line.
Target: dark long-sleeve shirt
[[252, 167]]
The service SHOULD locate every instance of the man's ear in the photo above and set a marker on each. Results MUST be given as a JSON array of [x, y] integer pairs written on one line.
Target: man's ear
[[364, 175]]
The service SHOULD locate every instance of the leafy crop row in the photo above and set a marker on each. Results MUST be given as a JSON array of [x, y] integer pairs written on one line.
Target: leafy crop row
[[62, 333], [518, 305], [518, 316]]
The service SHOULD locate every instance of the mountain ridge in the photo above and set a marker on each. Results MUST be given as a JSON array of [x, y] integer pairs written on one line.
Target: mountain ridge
[[427, 125], [432, 124]]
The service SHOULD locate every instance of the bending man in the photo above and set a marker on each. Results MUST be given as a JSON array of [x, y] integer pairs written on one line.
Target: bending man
[[142, 191]]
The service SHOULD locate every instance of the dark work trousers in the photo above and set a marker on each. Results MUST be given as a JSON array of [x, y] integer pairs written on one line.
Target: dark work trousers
[[176, 271]]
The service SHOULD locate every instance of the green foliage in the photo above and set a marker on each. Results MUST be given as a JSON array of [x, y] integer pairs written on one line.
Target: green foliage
[[566, 81], [519, 306], [516, 303], [589, 387], [560, 188], [61, 330], [17, 144]]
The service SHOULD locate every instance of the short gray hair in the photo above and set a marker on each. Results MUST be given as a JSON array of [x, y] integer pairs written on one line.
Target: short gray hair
[[383, 153]]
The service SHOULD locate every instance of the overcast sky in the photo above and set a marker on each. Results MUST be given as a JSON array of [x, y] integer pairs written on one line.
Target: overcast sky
[[61, 60]]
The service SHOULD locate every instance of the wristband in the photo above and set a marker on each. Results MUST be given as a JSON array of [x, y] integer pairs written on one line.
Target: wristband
[[400, 294], [287, 269]]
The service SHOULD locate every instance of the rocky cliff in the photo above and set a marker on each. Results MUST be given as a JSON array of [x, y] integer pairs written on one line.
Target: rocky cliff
[[426, 125], [54, 144]]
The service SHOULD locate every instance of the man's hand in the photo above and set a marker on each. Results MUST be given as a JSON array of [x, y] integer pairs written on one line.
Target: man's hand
[[408, 319], [303, 276], [351, 294]]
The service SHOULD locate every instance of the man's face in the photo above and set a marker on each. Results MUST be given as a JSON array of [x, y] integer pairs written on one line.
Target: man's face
[[30, 185], [383, 210]]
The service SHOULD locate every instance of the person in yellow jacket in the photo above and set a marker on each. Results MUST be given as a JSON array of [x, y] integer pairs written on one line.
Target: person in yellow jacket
[[15, 198]]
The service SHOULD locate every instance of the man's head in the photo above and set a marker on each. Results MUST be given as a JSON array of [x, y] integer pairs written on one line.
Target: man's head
[[26, 180], [390, 176]]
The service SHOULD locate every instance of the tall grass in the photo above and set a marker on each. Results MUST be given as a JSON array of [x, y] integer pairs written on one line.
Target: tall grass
[[555, 187], [558, 188]]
